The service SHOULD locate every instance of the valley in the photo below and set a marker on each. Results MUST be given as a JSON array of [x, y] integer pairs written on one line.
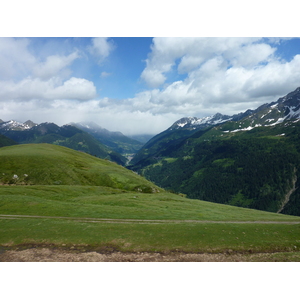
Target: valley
[[223, 188]]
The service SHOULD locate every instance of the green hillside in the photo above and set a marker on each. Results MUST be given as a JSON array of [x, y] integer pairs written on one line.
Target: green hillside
[[46, 164]]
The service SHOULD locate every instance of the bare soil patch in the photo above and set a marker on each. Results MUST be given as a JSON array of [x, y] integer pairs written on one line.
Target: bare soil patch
[[58, 255]]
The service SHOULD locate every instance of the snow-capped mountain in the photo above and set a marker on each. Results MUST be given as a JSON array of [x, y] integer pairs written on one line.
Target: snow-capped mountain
[[284, 109], [269, 114], [198, 123], [92, 127], [14, 125]]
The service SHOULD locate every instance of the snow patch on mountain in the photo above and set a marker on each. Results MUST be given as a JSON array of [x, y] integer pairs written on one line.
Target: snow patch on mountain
[[15, 125], [194, 123]]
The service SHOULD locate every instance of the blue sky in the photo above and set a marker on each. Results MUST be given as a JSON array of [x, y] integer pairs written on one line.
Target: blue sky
[[116, 76], [142, 84]]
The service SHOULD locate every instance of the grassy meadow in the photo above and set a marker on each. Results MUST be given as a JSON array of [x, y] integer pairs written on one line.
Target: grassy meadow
[[64, 202]]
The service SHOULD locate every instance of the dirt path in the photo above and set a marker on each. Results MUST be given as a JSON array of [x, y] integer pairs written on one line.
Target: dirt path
[[55, 255], [122, 221]]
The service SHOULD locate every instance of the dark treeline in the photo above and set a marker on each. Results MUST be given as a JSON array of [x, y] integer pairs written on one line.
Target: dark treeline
[[252, 172]]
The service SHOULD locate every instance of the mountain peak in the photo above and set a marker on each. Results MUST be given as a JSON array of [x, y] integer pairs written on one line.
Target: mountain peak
[[30, 124], [15, 125], [268, 114], [192, 123]]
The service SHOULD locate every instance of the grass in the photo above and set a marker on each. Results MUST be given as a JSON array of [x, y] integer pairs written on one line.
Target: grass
[[45, 164], [197, 238], [83, 196], [104, 202], [80, 202]]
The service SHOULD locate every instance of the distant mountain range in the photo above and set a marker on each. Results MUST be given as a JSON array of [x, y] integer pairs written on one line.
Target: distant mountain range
[[67, 135], [251, 159], [117, 141]]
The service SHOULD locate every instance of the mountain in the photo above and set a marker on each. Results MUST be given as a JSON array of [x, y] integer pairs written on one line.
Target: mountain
[[14, 125], [115, 140], [193, 123], [251, 160], [67, 135], [178, 132], [284, 109]]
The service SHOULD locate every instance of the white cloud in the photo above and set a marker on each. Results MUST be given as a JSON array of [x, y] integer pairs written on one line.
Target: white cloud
[[74, 88], [24, 77], [226, 75], [250, 55], [154, 78], [105, 74], [15, 59], [104, 112], [191, 52], [53, 65], [28, 88], [101, 48], [274, 78]]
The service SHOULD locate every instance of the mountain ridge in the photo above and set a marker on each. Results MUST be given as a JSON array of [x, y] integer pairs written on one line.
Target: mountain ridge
[[268, 114], [66, 135], [116, 140]]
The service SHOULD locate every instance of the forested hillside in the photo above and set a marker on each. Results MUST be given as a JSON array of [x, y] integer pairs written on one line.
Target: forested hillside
[[253, 162], [248, 170]]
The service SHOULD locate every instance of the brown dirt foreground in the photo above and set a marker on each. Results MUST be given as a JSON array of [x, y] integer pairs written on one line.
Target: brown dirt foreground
[[56, 255]]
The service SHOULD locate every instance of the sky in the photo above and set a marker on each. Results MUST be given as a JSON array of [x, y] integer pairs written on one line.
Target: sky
[[142, 85], [139, 68]]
